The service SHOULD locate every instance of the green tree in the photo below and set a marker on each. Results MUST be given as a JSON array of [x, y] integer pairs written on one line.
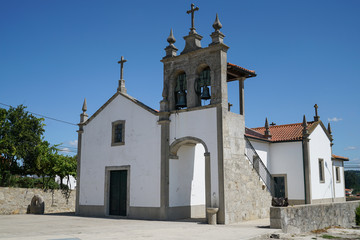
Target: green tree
[[65, 166], [20, 137]]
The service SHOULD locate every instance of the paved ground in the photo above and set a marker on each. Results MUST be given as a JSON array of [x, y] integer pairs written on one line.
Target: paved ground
[[56, 227]]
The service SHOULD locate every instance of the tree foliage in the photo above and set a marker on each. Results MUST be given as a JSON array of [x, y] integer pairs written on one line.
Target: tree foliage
[[20, 135], [352, 180], [23, 150]]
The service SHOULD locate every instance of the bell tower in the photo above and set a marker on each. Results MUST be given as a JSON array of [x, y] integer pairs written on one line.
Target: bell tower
[[195, 106], [197, 73]]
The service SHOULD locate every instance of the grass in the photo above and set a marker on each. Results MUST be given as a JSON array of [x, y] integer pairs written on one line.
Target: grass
[[326, 236]]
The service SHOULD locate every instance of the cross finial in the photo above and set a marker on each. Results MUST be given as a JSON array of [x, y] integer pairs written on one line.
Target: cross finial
[[121, 62], [192, 11], [316, 117]]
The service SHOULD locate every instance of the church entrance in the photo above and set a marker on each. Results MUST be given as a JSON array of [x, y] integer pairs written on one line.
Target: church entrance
[[118, 193], [187, 183]]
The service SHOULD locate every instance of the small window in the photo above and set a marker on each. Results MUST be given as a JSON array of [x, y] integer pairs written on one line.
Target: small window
[[118, 133], [337, 174], [321, 170]]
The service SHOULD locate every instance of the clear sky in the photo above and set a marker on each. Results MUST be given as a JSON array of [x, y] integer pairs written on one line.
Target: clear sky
[[55, 53]]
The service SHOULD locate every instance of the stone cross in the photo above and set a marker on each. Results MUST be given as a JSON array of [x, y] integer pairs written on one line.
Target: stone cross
[[121, 62], [316, 117], [192, 11]]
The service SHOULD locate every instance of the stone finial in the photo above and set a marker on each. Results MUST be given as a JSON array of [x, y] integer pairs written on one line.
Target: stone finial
[[267, 130], [316, 117], [171, 39], [192, 11], [217, 24], [171, 50], [305, 127], [331, 137], [121, 88], [217, 36], [84, 108], [83, 115]]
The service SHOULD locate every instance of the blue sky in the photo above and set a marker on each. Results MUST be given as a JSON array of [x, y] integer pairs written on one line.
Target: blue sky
[[55, 53]]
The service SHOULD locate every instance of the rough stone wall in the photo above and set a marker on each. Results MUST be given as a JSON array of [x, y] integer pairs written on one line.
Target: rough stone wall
[[305, 218], [16, 200], [246, 197]]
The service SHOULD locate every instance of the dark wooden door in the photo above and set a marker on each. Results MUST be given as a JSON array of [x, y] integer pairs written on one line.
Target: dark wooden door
[[279, 187], [118, 192]]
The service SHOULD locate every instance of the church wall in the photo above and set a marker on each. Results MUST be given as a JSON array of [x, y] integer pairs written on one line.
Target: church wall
[[319, 146], [141, 152], [339, 186], [263, 150], [287, 158], [187, 177], [245, 195], [201, 124]]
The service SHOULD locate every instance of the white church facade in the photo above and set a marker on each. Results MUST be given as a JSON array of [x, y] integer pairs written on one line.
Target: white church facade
[[190, 158]]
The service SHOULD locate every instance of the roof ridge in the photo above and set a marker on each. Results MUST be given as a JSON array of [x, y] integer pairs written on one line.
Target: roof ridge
[[282, 125]]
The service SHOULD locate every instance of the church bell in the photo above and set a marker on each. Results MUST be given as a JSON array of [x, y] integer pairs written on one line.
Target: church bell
[[181, 99], [205, 95]]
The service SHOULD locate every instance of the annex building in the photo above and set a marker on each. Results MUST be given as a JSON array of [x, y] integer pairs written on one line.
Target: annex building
[[194, 155]]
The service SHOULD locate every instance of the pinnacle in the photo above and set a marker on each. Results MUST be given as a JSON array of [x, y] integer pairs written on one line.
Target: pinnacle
[[171, 39], [217, 24], [84, 108]]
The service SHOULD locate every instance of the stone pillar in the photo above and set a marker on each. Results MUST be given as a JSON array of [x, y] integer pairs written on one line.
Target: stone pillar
[[306, 162], [83, 119], [242, 96], [164, 171]]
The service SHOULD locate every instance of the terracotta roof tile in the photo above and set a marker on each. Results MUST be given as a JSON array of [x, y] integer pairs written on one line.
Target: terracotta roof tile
[[339, 157], [244, 69], [279, 133]]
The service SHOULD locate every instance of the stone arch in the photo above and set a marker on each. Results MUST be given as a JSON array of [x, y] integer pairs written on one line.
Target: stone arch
[[189, 140], [174, 147]]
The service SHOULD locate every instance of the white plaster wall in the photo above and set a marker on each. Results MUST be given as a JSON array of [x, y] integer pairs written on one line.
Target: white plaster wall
[[339, 186], [141, 152], [203, 125], [71, 183], [187, 177], [320, 148], [263, 150], [287, 158]]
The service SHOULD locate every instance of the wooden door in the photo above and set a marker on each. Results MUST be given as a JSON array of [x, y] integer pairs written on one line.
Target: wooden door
[[118, 193]]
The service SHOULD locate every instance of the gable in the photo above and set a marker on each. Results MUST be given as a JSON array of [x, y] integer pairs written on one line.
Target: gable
[[136, 102]]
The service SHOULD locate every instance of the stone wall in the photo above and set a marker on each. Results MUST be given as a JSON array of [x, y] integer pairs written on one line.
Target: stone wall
[[246, 196], [305, 218], [16, 200]]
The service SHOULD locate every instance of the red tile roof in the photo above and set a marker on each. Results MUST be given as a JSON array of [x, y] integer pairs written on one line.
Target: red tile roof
[[244, 69], [279, 133], [234, 72], [336, 157]]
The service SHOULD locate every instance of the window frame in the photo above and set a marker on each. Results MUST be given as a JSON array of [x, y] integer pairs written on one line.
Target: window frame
[[113, 127], [321, 170], [337, 174]]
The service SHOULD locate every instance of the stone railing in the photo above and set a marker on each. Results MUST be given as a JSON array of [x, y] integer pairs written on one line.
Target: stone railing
[[305, 218], [16, 200]]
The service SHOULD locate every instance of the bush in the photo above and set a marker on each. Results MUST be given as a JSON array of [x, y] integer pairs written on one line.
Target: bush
[[29, 182], [357, 215]]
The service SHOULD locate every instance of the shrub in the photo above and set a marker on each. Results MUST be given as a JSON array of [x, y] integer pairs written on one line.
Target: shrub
[[357, 215]]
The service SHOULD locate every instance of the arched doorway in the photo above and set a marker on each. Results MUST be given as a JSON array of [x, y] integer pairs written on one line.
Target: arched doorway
[[189, 178]]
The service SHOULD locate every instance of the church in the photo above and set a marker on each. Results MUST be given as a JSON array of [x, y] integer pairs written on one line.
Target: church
[[194, 158]]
